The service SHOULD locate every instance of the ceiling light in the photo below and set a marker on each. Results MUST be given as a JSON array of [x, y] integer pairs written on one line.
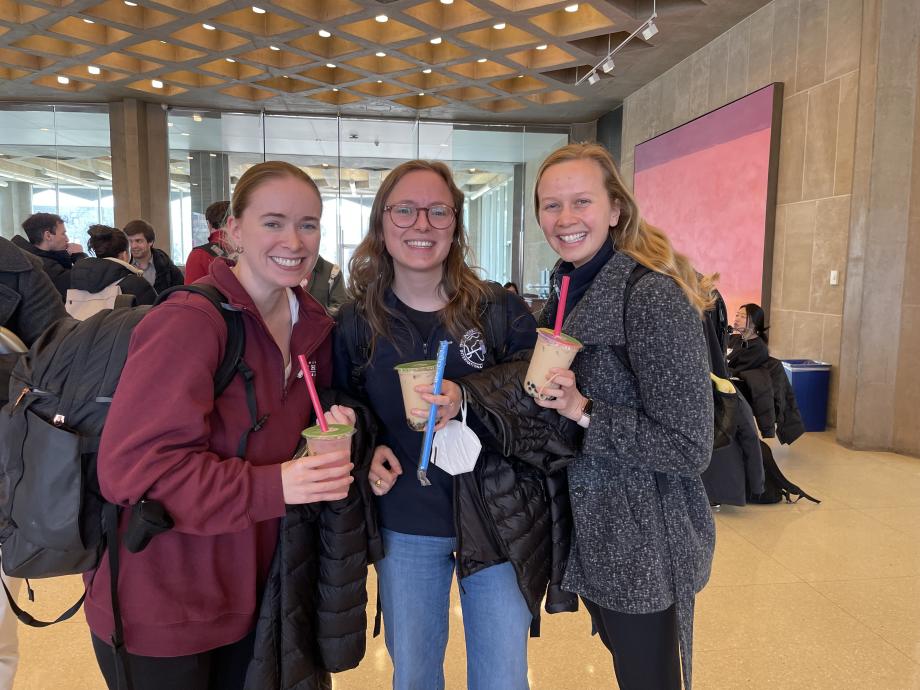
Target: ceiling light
[[472, 170], [45, 129], [572, 8], [191, 158], [542, 47], [447, 2], [607, 65], [499, 26], [436, 40], [88, 21], [213, 155], [169, 124], [229, 59], [593, 78], [650, 30], [380, 53], [156, 83], [185, 134], [427, 70], [445, 145], [382, 18], [482, 60], [274, 48], [325, 165], [380, 81], [330, 65], [196, 117], [258, 10], [130, 4], [163, 42], [208, 27], [422, 93], [63, 80], [92, 69], [324, 34], [335, 90]]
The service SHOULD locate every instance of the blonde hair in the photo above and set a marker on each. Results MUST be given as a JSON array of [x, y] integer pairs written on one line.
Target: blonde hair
[[632, 235], [371, 270]]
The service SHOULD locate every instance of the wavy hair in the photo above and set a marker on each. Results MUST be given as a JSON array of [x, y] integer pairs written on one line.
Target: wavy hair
[[371, 271], [632, 235]]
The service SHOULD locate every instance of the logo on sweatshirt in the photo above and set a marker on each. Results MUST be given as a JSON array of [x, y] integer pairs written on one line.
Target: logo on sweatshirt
[[473, 349]]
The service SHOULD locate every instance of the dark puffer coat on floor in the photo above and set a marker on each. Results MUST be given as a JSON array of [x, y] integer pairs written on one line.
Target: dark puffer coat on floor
[[313, 616]]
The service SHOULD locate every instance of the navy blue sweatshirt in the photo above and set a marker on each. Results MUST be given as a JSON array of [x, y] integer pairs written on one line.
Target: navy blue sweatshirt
[[408, 507]]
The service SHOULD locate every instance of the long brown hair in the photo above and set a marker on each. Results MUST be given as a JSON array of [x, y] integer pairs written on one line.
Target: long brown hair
[[632, 235], [371, 270]]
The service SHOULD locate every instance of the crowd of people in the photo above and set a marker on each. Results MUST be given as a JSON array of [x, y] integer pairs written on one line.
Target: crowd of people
[[589, 492]]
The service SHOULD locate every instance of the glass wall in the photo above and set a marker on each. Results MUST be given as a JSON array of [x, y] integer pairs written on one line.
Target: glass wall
[[55, 159], [349, 158]]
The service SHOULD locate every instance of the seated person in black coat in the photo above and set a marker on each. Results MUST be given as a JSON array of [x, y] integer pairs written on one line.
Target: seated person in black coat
[[747, 347], [110, 265]]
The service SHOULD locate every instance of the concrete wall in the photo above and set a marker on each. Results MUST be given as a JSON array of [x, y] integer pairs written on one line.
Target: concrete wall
[[813, 48]]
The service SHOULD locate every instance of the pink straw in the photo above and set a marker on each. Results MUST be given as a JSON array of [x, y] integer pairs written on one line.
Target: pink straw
[[314, 396], [560, 309]]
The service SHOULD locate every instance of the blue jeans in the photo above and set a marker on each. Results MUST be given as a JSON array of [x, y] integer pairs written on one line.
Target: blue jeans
[[414, 584]]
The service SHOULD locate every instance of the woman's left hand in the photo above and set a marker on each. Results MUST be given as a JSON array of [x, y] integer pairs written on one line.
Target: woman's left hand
[[569, 402], [448, 402], [339, 414]]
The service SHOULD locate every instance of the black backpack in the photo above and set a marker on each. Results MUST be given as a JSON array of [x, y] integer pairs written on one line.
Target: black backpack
[[53, 518]]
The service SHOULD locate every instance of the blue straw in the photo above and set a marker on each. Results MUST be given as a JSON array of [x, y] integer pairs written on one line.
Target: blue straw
[[432, 415]]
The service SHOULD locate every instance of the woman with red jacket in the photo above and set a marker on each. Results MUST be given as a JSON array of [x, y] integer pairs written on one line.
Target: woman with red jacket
[[189, 600]]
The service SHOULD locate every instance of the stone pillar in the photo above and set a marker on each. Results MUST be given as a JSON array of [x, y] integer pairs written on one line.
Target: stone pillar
[[140, 165], [879, 403]]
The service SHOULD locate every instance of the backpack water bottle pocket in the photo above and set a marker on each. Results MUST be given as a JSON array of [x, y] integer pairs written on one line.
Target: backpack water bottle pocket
[[46, 500]]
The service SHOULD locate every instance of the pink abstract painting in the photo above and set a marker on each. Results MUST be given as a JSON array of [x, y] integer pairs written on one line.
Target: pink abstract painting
[[708, 185]]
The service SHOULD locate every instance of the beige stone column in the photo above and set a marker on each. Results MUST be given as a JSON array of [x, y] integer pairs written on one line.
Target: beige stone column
[[140, 165], [879, 402]]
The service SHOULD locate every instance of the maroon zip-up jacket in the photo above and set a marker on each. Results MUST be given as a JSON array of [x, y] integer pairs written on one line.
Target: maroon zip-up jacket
[[196, 587]]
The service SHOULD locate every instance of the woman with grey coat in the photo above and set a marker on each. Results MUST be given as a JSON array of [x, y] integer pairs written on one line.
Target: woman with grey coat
[[643, 534]]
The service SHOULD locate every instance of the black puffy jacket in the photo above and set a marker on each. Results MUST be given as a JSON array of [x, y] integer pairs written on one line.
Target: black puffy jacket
[[772, 399], [313, 616], [507, 509]]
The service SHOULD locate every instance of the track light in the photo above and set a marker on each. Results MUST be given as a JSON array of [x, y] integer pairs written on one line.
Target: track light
[[649, 30], [607, 65], [593, 78]]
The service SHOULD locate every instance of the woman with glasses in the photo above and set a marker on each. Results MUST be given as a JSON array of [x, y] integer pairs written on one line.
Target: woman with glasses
[[412, 288]]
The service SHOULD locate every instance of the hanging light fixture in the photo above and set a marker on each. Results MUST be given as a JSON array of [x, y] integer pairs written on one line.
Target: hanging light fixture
[[647, 29]]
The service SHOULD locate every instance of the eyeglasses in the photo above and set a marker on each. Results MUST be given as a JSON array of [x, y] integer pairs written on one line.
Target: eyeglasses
[[404, 215]]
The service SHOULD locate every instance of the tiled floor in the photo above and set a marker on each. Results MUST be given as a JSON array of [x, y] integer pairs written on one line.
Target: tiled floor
[[802, 596]]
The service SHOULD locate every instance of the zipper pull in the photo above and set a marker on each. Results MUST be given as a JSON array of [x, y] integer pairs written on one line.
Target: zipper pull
[[23, 393]]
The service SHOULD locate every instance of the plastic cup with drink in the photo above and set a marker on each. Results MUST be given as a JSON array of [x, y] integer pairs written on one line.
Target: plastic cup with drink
[[412, 374], [553, 349]]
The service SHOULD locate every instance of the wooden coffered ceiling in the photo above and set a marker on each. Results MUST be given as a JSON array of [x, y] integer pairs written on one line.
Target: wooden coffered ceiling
[[466, 59]]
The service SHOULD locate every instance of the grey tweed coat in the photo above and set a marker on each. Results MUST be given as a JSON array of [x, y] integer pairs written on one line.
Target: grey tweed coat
[[643, 529]]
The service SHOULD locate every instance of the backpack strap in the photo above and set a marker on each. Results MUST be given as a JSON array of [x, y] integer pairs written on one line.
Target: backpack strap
[[212, 249], [232, 363], [622, 350]]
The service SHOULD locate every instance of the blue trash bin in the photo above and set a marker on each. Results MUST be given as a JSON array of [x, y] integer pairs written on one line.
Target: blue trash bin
[[810, 381]]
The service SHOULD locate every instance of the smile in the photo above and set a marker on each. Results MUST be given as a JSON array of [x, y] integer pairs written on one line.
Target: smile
[[420, 244], [570, 239], [287, 262]]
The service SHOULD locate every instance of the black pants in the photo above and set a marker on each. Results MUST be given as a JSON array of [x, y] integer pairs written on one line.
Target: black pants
[[644, 646], [223, 668]]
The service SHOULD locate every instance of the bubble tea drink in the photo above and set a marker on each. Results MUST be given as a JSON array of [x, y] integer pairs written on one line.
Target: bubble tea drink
[[412, 374], [338, 437], [549, 352]]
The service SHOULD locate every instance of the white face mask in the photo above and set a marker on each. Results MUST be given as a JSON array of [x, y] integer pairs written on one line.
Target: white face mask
[[456, 447]]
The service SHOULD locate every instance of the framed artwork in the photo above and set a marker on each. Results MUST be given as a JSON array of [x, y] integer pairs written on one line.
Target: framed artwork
[[710, 184]]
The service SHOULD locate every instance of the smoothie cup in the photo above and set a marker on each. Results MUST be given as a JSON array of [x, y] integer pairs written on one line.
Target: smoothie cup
[[412, 374], [549, 352], [337, 438]]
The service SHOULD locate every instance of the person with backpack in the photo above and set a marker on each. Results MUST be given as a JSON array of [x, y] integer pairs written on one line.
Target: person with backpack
[[487, 518], [189, 600], [155, 264], [97, 282], [643, 535], [200, 258]]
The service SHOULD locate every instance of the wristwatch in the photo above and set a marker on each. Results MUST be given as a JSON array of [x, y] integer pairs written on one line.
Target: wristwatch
[[585, 420]]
